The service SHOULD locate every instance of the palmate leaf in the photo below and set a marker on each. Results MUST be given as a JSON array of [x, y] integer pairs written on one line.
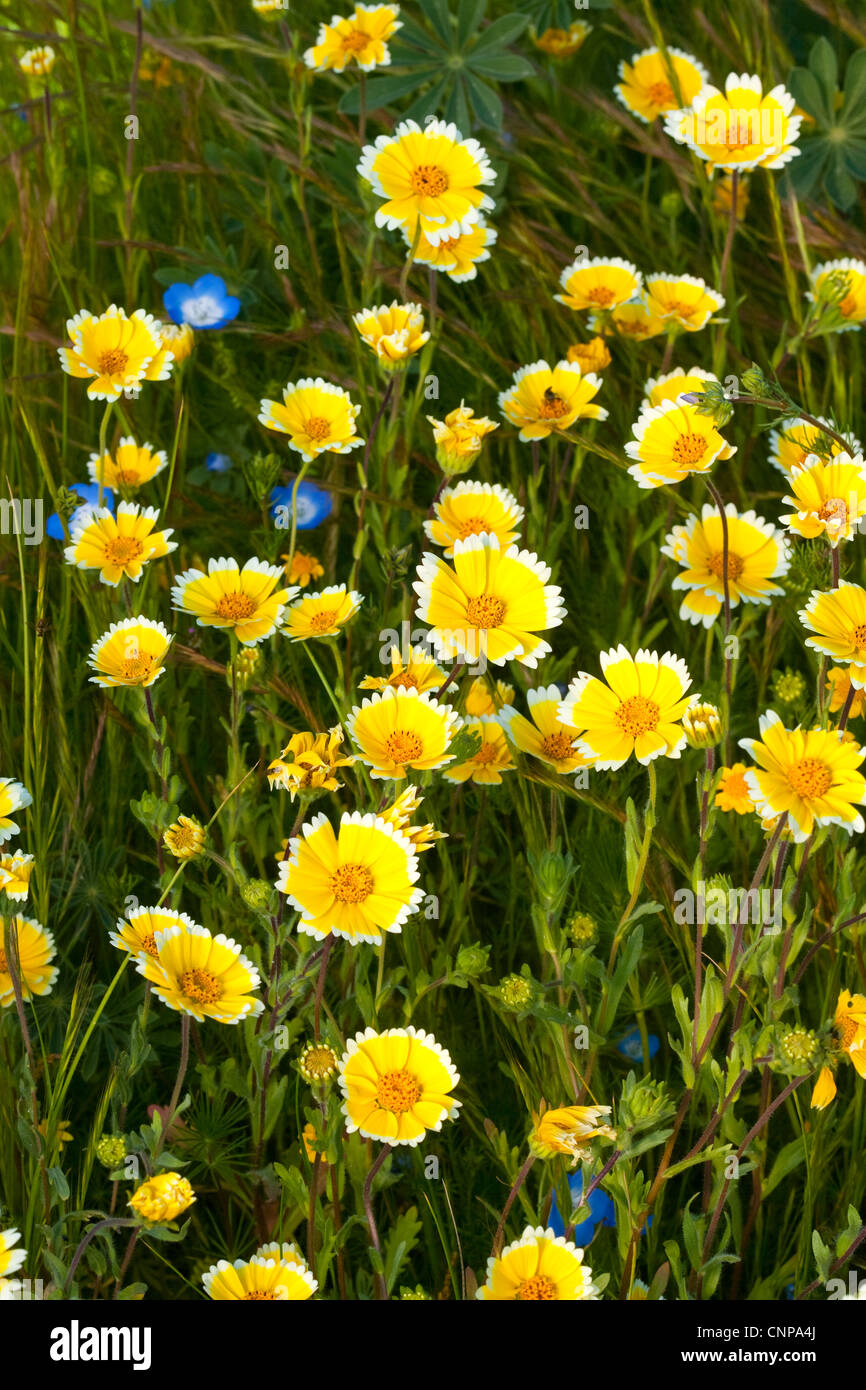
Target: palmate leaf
[[833, 158]]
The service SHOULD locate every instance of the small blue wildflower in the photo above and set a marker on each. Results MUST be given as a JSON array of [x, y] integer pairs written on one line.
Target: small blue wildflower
[[314, 504], [599, 1211], [202, 305], [89, 494], [630, 1045], [218, 463]]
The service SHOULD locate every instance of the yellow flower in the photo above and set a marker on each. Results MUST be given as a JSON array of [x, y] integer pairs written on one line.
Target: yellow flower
[[275, 1274], [158, 69], [539, 1267], [569, 1130], [179, 338], [62, 1133], [419, 673], [852, 303], [631, 321], [486, 765], [757, 554], [733, 791], [360, 38], [118, 547], [850, 1025], [829, 498], [458, 438], [838, 688], [317, 1063], [301, 568], [671, 441], [542, 400], [637, 711], [791, 446], [270, 8], [356, 884], [130, 467], [400, 728], [163, 1197], [599, 283], [308, 763], [590, 357], [824, 1090], [136, 932], [810, 773], [672, 385], [458, 256], [397, 1085], [421, 837], [308, 1139], [562, 43], [430, 177], [394, 332], [323, 614], [38, 62], [15, 873], [682, 301], [479, 699], [36, 951], [317, 416], [13, 797], [645, 86], [200, 974], [740, 128], [129, 653], [246, 601], [185, 838], [702, 724], [545, 737], [10, 1262], [117, 350], [490, 606], [838, 619], [474, 509]]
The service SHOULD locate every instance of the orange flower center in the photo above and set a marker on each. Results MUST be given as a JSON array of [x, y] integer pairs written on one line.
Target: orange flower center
[[303, 564], [121, 549], [553, 407], [602, 295], [113, 362], [485, 611], [137, 667], [403, 747], [676, 306], [637, 715], [848, 306], [538, 1288], [4, 964], [689, 448], [834, 511], [398, 1091], [352, 883], [810, 777], [662, 94], [428, 181], [487, 753], [403, 681], [318, 428], [474, 526], [557, 747], [200, 985], [735, 565], [148, 944], [355, 41], [846, 1027], [235, 606], [323, 621], [858, 636], [740, 132], [258, 1295], [127, 477]]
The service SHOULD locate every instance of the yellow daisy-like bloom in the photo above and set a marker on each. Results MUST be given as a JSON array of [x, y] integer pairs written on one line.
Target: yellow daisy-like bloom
[[682, 301], [539, 1267], [542, 400], [852, 305], [474, 509], [246, 601], [15, 874], [569, 1130], [457, 256], [480, 700], [590, 357], [644, 86], [792, 445], [810, 773], [838, 620], [458, 438], [829, 498], [119, 547], [163, 1197], [421, 837], [397, 1085], [850, 1025], [179, 338], [672, 385], [323, 614], [419, 673], [599, 283], [733, 791], [301, 568], [117, 350], [839, 687], [62, 1134], [432, 177], [131, 465], [200, 974], [637, 711], [36, 951], [361, 39], [308, 763], [487, 764], [394, 332], [757, 554], [38, 62], [630, 321], [544, 735], [562, 43], [318, 417], [400, 728], [491, 605], [136, 932], [274, 1274], [740, 128], [13, 797], [671, 441], [356, 884], [10, 1262], [130, 653], [185, 838]]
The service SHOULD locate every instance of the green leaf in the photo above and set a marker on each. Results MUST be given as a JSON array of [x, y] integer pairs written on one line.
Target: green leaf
[[506, 67], [428, 102], [806, 91], [485, 102], [469, 16], [854, 154], [381, 91], [501, 32], [57, 1178], [855, 83], [439, 15], [839, 184], [457, 109], [806, 170], [822, 61]]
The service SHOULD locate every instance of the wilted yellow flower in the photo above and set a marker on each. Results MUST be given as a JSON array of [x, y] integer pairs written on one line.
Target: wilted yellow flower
[[590, 357], [420, 837], [163, 1197], [308, 763], [458, 438], [562, 43], [185, 838], [394, 332], [569, 1130]]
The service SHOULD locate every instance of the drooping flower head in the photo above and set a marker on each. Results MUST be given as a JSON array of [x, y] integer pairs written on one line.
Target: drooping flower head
[[598, 283], [837, 619], [740, 128], [645, 88], [131, 652], [562, 43], [671, 441], [179, 339], [200, 974], [637, 708], [812, 774], [593, 356], [684, 303], [394, 332], [318, 417], [118, 546], [163, 1197], [458, 438], [397, 1085], [36, 951], [129, 467], [309, 762], [474, 509], [757, 555], [430, 176], [246, 601], [117, 350], [829, 498], [205, 304], [458, 256], [360, 38], [539, 1267], [421, 837], [324, 614], [569, 1130], [544, 735], [544, 400], [400, 728], [13, 797], [274, 1274]]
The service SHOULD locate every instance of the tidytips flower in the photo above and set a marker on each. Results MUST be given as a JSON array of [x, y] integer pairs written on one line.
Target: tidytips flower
[[324, 614], [318, 417], [598, 283], [458, 438], [246, 601], [740, 128], [359, 38], [829, 498], [308, 763], [645, 88], [419, 672], [119, 547], [491, 758], [400, 728], [812, 774], [397, 1085], [421, 837], [590, 357], [273, 1274], [632, 321], [544, 400], [798, 439], [671, 385], [849, 1024], [118, 351], [136, 932], [128, 467], [457, 256], [36, 951], [394, 332], [130, 653], [185, 838], [38, 62], [848, 279], [838, 621], [200, 974], [482, 698], [544, 735], [539, 1267], [13, 797], [671, 441], [637, 708], [430, 179], [838, 687], [682, 302], [757, 555], [15, 873], [179, 338], [474, 509], [163, 1197], [569, 1130], [11, 1261]]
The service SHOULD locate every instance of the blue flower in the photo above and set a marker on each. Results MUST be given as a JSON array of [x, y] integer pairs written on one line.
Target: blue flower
[[89, 494], [630, 1045], [599, 1211], [218, 463], [202, 305], [314, 505]]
